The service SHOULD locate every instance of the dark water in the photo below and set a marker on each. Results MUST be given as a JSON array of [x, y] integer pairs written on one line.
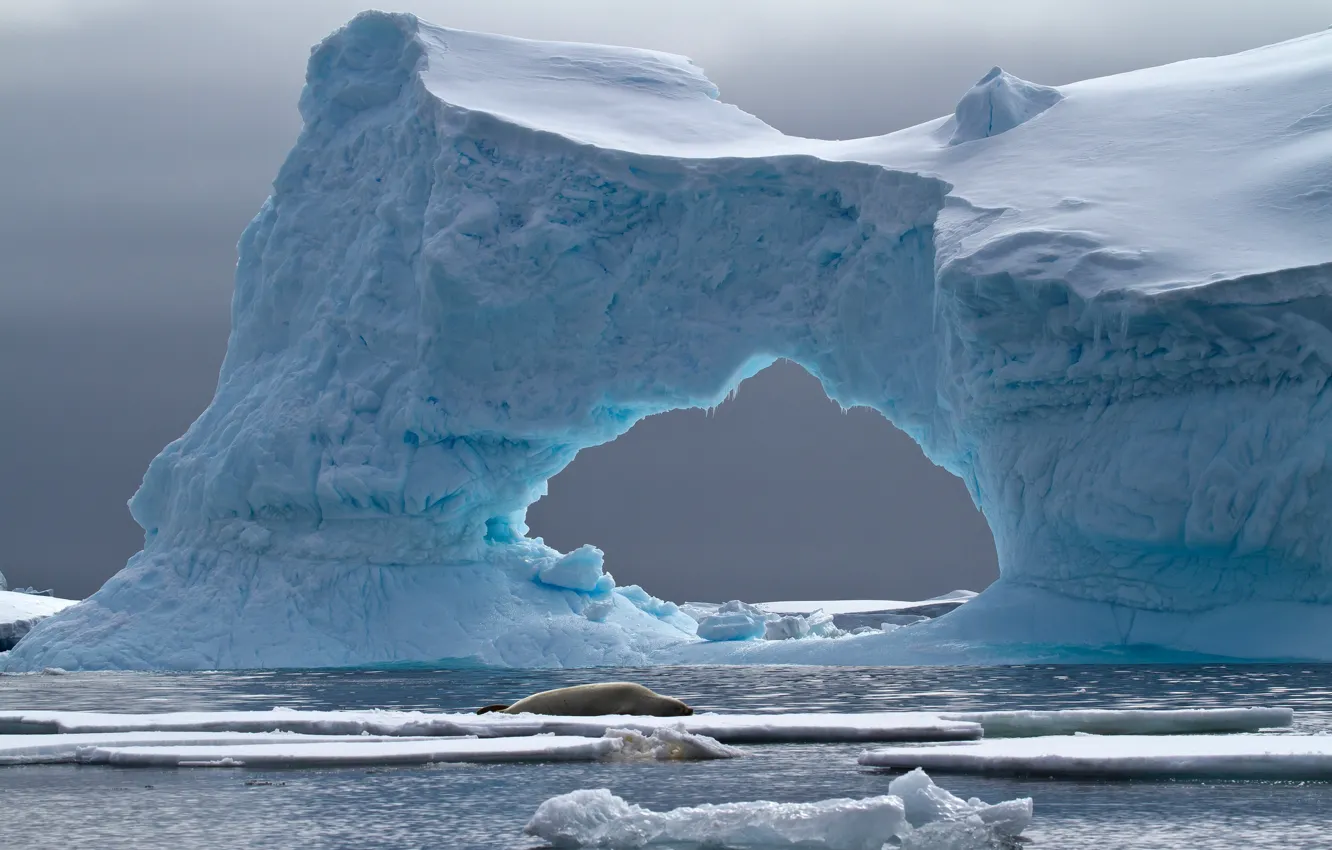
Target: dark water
[[465, 806]]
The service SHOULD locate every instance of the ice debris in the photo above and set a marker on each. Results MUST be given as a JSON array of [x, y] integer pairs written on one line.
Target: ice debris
[[736, 620], [670, 743], [598, 818]]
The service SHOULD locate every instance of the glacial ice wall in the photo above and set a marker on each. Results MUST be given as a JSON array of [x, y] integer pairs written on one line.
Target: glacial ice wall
[[1109, 316]]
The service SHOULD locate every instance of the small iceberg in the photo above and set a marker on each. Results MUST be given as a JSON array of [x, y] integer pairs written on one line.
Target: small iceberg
[[24, 608]]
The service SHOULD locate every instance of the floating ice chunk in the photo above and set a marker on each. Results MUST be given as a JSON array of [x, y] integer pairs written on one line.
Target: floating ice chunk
[[926, 802], [806, 727], [821, 624], [582, 569], [597, 818], [63, 749], [363, 751], [1099, 721], [997, 103], [1124, 756], [734, 620], [670, 743], [790, 627]]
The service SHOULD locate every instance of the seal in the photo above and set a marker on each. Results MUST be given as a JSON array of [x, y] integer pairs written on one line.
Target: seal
[[595, 699]]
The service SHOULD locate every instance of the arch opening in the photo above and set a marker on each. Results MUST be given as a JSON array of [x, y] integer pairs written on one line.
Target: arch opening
[[778, 493]]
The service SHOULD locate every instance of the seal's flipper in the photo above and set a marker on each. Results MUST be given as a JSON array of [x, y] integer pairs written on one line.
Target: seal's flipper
[[489, 708]]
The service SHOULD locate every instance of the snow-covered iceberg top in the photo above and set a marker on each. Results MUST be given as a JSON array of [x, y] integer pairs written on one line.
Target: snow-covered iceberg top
[[1105, 310]]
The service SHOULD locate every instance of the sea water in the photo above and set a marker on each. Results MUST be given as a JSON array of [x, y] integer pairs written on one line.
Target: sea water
[[470, 806]]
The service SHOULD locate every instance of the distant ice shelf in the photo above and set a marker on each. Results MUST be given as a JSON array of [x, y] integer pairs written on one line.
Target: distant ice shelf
[[1106, 307]]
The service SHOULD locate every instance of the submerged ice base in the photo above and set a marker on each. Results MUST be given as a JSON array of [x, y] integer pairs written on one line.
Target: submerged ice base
[[1105, 307]]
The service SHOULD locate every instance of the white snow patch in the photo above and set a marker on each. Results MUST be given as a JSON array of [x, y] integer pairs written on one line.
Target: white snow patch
[[1124, 756]]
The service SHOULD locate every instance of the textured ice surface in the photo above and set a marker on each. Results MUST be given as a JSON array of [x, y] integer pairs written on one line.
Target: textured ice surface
[[1103, 721], [597, 818], [483, 254], [1124, 756], [19, 612], [924, 803], [731, 728]]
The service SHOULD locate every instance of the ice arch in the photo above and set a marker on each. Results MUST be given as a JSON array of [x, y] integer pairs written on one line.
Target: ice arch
[[484, 254]]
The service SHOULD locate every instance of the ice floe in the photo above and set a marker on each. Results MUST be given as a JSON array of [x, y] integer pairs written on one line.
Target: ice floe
[[64, 749], [806, 727], [1102, 721], [285, 749], [598, 818], [328, 753], [1124, 756]]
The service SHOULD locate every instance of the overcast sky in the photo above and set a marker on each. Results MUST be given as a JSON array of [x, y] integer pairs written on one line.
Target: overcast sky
[[137, 137]]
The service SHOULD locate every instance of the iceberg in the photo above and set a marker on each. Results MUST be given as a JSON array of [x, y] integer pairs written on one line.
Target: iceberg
[[1273, 757], [1105, 307], [598, 818], [20, 611]]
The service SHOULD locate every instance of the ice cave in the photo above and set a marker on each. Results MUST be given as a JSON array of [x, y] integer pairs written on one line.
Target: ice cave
[[1105, 307]]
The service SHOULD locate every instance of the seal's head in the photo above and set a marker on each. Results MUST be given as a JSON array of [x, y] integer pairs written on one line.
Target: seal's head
[[670, 707], [486, 709]]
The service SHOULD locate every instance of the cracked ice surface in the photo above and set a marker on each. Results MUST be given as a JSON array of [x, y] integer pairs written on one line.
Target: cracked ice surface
[[1110, 319]]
